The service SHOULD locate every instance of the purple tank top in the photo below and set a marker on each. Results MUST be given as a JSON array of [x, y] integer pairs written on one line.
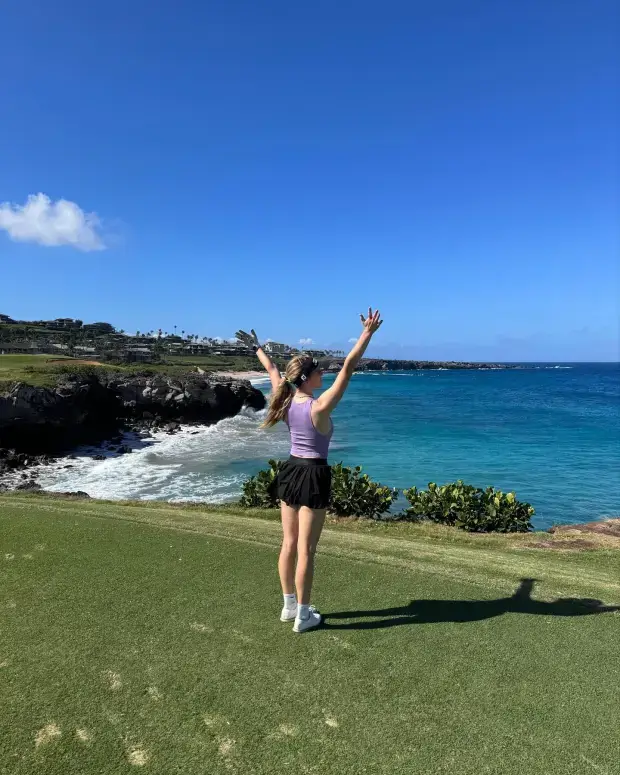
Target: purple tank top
[[306, 440]]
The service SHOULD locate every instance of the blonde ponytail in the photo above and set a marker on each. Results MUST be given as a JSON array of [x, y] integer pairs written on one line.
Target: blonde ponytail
[[279, 404], [283, 396]]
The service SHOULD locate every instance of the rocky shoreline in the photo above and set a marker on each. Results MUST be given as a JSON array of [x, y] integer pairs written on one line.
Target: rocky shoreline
[[383, 364], [38, 425]]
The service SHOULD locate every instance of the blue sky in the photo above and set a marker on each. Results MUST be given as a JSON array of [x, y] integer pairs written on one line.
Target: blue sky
[[283, 165]]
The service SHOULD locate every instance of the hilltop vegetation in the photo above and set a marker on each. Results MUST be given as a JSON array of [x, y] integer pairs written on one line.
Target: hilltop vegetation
[[46, 371], [103, 343]]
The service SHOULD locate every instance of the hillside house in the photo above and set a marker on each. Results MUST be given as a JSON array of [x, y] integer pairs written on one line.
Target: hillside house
[[19, 348], [277, 348]]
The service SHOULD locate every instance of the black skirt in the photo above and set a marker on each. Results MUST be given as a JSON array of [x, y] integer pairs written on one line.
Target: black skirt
[[305, 482]]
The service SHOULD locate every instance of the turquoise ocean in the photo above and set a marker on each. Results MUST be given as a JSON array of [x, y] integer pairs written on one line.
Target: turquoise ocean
[[549, 432]]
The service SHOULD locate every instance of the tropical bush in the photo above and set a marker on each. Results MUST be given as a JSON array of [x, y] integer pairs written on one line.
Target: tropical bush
[[354, 494], [260, 491], [470, 508]]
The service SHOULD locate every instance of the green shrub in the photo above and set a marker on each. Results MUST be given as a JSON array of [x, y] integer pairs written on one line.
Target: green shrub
[[353, 494], [75, 370], [259, 492], [470, 508]]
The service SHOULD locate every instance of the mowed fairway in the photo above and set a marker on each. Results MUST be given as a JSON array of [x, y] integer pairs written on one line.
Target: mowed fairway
[[147, 639]]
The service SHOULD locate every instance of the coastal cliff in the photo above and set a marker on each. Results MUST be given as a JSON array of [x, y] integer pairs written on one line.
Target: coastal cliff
[[88, 408]]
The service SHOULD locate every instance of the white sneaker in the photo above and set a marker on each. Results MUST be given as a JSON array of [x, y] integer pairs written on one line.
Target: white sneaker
[[288, 614], [314, 620]]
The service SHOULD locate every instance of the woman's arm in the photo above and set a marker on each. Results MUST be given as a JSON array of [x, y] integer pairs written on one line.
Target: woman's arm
[[327, 402], [251, 341]]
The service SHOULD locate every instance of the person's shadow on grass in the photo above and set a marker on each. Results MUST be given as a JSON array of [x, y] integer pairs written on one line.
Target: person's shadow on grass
[[432, 611]]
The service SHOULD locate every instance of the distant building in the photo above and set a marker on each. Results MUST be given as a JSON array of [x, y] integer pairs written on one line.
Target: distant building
[[19, 348], [82, 350], [276, 348], [62, 323], [197, 348], [230, 348], [139, 354], [6, 319]]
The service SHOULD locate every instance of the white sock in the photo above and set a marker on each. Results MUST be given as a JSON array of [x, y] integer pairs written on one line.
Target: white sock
[[303, 611], [290, 601]]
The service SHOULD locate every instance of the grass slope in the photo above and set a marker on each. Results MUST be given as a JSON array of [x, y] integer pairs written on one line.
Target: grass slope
[[45, 370], [33, 369], [145, 637]]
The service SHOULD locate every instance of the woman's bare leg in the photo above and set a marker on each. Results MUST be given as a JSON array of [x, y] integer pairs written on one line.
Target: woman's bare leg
[[310, 527], [286, 562]]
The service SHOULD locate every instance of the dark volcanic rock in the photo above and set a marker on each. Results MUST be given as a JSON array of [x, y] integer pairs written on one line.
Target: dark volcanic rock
[[610, 527], [28, 486], [37, 419], [381, 364], [89, 409]]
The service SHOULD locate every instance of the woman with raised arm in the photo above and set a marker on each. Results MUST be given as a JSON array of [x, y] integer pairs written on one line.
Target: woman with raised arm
[[304, 484]]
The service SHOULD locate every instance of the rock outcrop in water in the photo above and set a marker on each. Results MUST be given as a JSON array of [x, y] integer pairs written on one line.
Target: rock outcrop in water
[[88, 409]]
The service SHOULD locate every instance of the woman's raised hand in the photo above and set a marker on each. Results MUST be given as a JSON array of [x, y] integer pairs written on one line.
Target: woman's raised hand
[[249, 340], [373, 322]]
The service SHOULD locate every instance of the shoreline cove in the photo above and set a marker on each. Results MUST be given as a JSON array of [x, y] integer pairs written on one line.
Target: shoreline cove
[[208, 463]]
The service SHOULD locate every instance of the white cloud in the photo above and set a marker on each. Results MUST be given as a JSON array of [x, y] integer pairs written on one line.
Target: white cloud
[[306, 342], [51, 223], [353, 339]]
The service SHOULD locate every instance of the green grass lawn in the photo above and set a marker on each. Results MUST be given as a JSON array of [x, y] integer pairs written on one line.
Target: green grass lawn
[[45, 370], [40, 370], [9, 363], [216, 362], [146, 638], [33, 369], [221, 362]]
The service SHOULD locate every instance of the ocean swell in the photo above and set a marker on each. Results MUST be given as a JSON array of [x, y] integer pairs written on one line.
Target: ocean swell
[[198, 463]]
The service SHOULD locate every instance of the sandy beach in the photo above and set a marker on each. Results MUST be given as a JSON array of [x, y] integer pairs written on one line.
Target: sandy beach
[[251, 375]]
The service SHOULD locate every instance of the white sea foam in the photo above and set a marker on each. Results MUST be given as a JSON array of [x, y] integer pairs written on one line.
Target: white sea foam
[[197, 463]]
